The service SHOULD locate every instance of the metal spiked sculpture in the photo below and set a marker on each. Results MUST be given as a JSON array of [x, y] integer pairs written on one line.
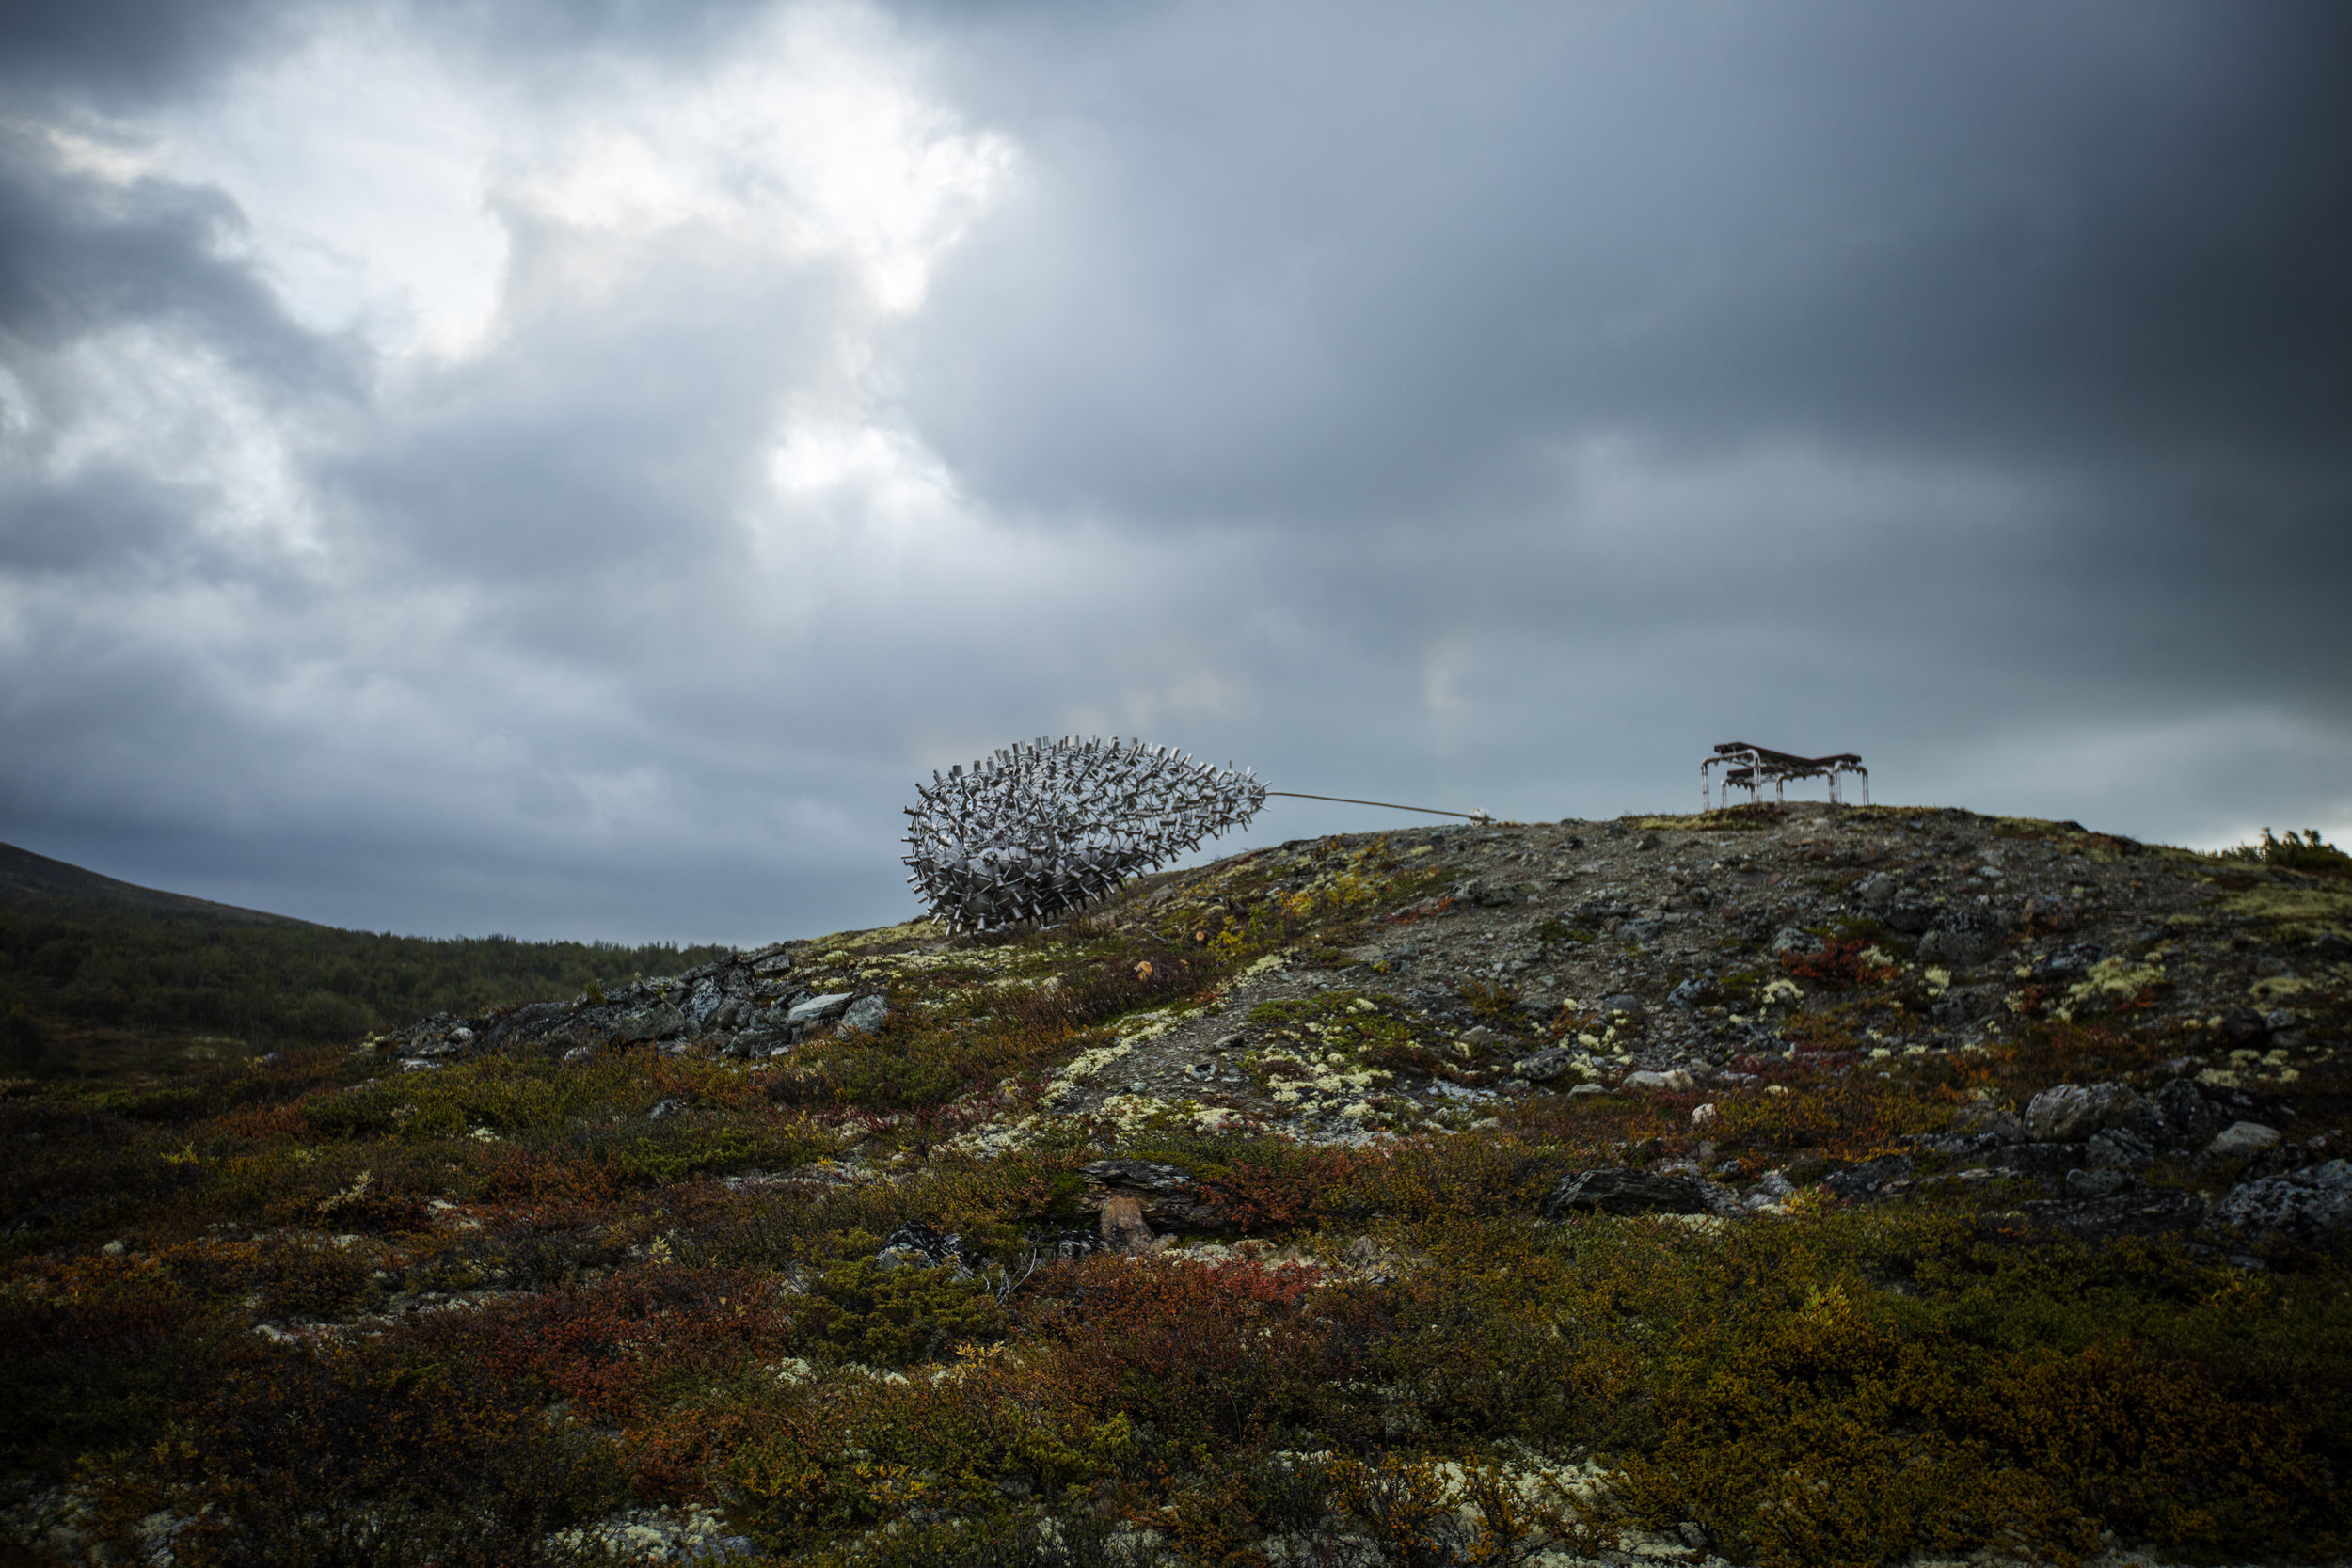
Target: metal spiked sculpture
[[1046, 826]]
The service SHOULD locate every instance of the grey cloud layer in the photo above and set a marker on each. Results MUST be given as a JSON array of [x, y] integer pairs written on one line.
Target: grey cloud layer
[[1492, 405], [2059, 233]]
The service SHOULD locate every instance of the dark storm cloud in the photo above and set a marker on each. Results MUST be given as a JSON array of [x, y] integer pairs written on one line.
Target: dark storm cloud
[[113, 52], [117, 54], [1276, 267], [1480, 406]]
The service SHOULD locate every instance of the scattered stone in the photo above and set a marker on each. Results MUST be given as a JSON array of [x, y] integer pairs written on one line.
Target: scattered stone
[[1624, 1001], [1956, 1008], [1488, 896], [2306, 1205], [2048, 915], [1910, 913], [2118, 1149], [646, 1024], [1693, 993], [1068, 1245], [865, 1016], [704, 1001], [1617, 1190], [2069, 1113], [1547, 1066], [2183, 1116], [818, 1009], [1772, 1188], [1123, 1225], [2031, 1159], [1673, 1080], [754, 1044], [2242, 1027], [2133, 1211], [1995, 1119], [915, 1245], [2095, 1184], [1871, 1177], [2068, 964], [2241, 1140], [1165, 1196], [1961, 938]]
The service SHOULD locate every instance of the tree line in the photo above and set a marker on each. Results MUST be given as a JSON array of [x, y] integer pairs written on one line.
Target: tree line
[[81, 964]]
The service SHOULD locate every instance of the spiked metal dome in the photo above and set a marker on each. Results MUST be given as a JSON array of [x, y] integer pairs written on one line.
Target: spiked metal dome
[[1046, 826]]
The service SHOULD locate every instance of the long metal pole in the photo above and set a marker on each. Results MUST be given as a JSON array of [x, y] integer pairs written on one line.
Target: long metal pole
[[1387, 805]]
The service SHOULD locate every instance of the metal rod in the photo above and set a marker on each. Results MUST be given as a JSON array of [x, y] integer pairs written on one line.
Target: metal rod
[[1387, 805]]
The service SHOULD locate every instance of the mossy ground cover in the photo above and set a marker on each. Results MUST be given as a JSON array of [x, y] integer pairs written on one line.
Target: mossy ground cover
[[318, 1309]]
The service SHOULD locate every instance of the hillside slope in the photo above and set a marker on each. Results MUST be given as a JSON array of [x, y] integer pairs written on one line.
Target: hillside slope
[[1781, 1186], [96, 975], [25, 874]]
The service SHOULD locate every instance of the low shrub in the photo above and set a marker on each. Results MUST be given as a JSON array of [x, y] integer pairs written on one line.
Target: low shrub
[[362, 1454]]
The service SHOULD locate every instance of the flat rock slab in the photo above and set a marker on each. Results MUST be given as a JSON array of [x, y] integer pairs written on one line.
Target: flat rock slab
[[1616, 1190], [2136, 1210]]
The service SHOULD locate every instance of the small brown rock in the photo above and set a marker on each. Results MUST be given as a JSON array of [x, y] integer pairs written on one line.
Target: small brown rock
[[1123, 1224]]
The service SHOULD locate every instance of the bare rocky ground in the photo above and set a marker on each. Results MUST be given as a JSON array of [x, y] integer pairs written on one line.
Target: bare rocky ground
[[1684, 974], [1664, 956]]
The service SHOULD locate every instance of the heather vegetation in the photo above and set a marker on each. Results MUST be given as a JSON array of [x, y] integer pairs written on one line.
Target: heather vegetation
[[848, 1300]]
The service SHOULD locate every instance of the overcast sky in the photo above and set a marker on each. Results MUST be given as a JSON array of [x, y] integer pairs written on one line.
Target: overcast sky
[[567, 469]]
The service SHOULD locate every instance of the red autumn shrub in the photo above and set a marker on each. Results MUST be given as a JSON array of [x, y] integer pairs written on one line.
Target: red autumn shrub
[[1837, 965], [607, 1346], [1260, 1198], [1217, 1354]]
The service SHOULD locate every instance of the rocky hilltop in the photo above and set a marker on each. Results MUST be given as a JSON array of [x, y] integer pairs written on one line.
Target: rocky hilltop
[[1782, 1185], [1684, 959]]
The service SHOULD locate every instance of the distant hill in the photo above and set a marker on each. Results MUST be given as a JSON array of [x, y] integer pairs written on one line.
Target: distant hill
[[25, 874], [95, 973]]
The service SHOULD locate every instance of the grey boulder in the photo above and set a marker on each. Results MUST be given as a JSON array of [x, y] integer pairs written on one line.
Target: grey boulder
[[1910, 913], [1165, 1196], [2241, 1140], [2069, 1113], [660, 1022], [1693, 993], [1960, 939], [1871, 1177], [2305, 1202], [818, 1009], [1547, 1066]]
